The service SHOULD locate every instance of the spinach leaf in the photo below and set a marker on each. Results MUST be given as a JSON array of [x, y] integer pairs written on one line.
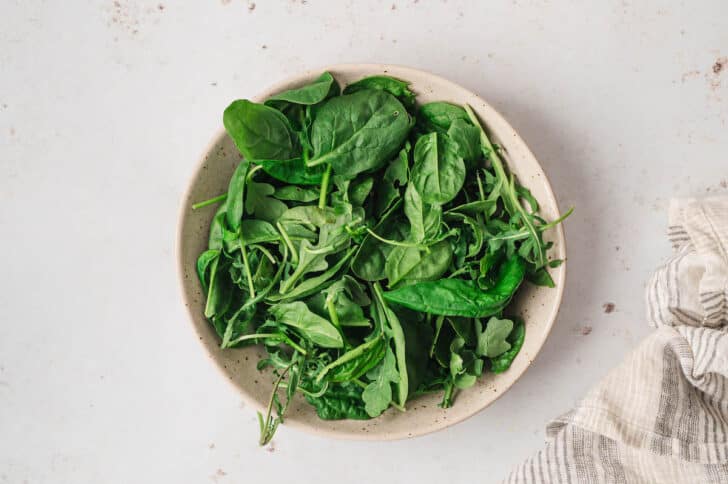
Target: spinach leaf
[[338, 402], [292, 171], [413, 264], [235, 199], [395, 176], [296, 194], [358, 132], [310, 325], [457, 297], [438, 173], [439, 116], [259, 131], [312, 93], [258, 202], [424, 219], [395, 87]]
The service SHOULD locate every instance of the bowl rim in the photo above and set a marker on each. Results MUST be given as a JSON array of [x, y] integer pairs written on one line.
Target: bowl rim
[[398, 71]]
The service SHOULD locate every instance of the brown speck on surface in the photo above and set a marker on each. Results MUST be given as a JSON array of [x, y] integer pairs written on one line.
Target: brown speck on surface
[[616, 247], [719, 65], [608, 307], [724, 183], [251, 6], [689, 74], [221, 472], [12, 131], [271, 447], [394, 7], [263, 46], [213, 83], [211, 446], [160, 7], [586, 330]]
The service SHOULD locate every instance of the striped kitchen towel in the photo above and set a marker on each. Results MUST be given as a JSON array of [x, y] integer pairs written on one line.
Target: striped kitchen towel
[[662, 415]]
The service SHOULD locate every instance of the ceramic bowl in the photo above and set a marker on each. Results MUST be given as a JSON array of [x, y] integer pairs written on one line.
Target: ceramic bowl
[[537, 305]]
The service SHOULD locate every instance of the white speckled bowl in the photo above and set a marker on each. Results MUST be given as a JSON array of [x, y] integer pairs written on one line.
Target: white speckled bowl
[[538, 306]]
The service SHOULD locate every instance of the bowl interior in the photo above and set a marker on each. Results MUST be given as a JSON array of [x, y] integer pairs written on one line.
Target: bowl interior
[[537, 305]]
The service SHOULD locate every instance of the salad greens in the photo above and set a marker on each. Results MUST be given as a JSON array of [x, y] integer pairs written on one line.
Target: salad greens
[[371, 245]]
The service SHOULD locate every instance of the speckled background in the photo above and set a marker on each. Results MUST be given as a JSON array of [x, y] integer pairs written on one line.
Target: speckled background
[[105, 110]]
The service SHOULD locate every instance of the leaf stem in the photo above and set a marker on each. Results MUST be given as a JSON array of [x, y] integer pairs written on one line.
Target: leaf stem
[[210, 201], [249, 275], [395, 242], [268, 428], [287, 240], [324, 187]]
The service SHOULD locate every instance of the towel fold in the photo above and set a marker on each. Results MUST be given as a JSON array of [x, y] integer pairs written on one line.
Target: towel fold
[[662, 415]]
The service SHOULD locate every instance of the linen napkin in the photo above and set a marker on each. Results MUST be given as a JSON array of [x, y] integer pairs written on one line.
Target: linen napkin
[[662, 415]]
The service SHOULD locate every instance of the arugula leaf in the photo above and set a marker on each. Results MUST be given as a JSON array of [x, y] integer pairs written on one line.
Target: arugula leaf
[[378, 393], [492, 341], [501, 363]]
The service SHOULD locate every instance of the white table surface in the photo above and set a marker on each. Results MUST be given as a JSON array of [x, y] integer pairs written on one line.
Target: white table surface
[[105, 108]]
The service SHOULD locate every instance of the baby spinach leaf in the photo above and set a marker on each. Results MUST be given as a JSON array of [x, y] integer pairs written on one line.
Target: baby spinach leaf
[[424, 219], [540, 277], [465, 367], [258, 231], [311, 326], [259, 131], [203, 263], [258, 202], [338, 402], [438, 173], [502, 362], [395, 87], [397, 334], [358, 132], [457, 297], [492, 341], [312, 93], [439, 116], [395, 176], [378, 393], [235, 199], [466, 138], [292, 171], [296, 194], [411, 263]]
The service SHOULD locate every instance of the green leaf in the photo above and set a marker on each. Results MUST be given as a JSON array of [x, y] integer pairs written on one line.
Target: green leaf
[[311, 326], [259, 202], [395, 176], [438, 173], [378, 393], [235, 199], [259, 131], [413, 264], [439, 116], [501, 363], [296, 194], [358, 132], [424, 219], [338, 402], [203, 263], [457, 297], [395, 87], [541, 278], [466, 137], [397, 334], [312, 93], [293, 171], [492, 342]]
